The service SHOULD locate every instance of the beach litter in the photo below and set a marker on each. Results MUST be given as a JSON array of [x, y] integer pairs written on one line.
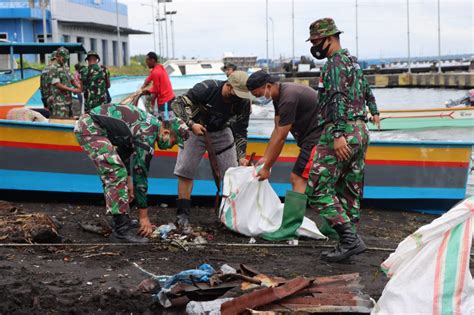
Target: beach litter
[[230, 290]]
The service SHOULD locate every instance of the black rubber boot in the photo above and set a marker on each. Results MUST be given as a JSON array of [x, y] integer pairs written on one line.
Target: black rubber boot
[[123, 231], [182, 214], [349, 244]]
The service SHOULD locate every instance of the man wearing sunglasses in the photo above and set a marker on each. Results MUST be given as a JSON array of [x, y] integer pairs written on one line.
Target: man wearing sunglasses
[[336, 178], [208, 108]]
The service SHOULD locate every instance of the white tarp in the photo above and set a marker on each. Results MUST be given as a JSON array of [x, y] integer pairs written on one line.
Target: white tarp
[[429, 271]]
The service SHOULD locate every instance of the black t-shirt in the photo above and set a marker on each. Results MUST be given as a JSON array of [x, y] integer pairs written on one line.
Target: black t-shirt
[[298, 105], [214, 111]]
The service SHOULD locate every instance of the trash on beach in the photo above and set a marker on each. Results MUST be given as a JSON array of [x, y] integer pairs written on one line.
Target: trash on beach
[[228, 290], [208, 307], [429, 271], [252, 208], [101, 227], [163, 230], [26, 228]]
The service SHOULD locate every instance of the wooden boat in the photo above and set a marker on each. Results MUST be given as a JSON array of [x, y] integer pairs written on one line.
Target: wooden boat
[[17, 94], [46, 157], [426, 118]]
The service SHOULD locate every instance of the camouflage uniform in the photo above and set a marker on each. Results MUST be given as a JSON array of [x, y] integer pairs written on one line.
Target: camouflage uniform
[[45, 80], [94, 84], [335, 187], [60, 101], [120, 139]]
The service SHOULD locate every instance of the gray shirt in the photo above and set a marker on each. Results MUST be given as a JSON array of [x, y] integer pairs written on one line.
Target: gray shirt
[[297, 105]]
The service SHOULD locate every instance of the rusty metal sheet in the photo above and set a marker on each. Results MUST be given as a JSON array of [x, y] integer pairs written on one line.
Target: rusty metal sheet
[[263, 296]]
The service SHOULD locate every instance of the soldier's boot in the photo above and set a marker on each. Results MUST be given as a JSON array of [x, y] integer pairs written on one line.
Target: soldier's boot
[[182, 214], [124, 232], [134, 223], [354, 228], [349, 244]]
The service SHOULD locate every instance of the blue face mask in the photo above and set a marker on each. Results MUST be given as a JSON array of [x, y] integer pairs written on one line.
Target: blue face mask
[[263, 100]]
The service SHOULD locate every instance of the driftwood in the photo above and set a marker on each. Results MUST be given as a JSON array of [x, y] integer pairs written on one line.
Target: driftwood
[[26, 228]]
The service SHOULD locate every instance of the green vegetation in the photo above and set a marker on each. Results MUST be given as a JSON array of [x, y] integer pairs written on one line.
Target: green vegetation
[[137, 66]]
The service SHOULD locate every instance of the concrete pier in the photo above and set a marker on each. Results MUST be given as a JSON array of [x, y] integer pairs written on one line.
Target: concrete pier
[[459, 80]]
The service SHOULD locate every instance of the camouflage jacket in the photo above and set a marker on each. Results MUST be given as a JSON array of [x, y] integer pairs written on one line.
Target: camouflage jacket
[[45, 81], [205, 105], [134, 133], [94, 85], [60, 74], [345, 92]]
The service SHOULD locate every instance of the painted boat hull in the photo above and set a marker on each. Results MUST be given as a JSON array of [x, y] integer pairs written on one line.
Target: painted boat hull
[[426, 118], [17, 94], [46, 157]]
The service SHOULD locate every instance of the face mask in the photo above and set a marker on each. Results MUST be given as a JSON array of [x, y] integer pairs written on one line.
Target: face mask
[[318, 52], [164, 142], [263, 100]]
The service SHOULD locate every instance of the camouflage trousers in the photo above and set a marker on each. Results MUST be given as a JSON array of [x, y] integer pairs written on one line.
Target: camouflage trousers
[[335, 187], [113, 173], [59, 109]]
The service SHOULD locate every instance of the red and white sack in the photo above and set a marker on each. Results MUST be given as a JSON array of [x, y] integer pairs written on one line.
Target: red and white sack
[[429, 271]]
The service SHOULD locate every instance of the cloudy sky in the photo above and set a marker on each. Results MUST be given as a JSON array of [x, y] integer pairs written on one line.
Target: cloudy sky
[[209, 28]]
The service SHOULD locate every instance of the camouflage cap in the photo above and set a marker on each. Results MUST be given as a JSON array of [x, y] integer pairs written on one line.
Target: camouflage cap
[[181, 130], [63, 52], [92, 53], [322, 28], [53, 56]]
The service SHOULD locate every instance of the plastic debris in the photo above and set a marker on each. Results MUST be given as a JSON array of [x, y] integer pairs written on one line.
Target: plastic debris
[[210, 307], [252, 240], [163, 230], [227, 269], [199, 240]]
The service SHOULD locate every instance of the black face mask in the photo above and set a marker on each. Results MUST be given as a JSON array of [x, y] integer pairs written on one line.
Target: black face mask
[[318, 52]]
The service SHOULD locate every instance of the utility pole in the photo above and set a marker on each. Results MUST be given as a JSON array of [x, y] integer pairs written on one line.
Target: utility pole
[[266, 31], [153, 21], [408, 35], [166, 33], [171, 13], [44, 4], [292, 31], [439, 37], [273, 37], [160, 33], [357, 29], [119, 43]]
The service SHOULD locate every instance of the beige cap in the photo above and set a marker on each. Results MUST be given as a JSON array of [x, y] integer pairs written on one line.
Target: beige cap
[[238, 80]]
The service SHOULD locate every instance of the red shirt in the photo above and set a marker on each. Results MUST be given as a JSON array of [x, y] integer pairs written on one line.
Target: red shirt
[[161, 84]]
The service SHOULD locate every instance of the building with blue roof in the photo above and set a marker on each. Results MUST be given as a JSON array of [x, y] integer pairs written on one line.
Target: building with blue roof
[[90, 22]]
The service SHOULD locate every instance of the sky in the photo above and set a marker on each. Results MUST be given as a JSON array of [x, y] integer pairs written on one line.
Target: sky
[[206, 29]]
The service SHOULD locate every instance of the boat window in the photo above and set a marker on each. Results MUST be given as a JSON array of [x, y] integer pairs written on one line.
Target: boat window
[[169, 70], [182, 69], [206, 66]]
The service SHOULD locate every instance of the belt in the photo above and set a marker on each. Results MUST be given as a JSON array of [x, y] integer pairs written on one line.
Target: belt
[[349, 122]]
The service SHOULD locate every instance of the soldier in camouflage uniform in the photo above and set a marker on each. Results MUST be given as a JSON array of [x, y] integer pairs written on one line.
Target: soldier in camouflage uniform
[[60, 100], [337, 175], [45, 80], [120, 140], [94, 82]]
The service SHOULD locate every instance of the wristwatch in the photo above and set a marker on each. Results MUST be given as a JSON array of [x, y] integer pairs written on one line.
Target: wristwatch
[[338, 134]]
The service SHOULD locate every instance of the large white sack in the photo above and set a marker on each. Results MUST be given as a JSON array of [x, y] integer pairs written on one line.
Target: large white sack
[[251, 207], [429, 271]]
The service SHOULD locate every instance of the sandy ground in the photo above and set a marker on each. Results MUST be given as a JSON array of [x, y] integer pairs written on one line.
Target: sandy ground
[[72, 280]]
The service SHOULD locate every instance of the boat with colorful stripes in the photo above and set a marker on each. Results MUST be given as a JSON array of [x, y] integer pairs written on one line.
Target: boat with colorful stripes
[[46, 157], [426, 118]]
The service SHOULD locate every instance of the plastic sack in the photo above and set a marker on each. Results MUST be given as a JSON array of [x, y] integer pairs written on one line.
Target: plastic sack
[[429, 270], [252, 208]]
